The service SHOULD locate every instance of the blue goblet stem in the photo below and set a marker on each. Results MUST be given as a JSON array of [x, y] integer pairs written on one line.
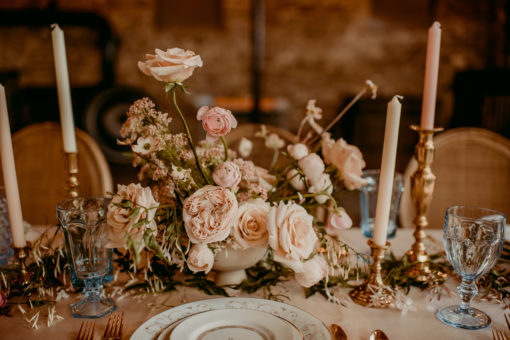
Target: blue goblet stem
[[93, 289], [467, 291]]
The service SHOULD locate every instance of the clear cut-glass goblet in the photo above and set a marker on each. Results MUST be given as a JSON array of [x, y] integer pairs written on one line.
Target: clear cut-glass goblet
[[473, 240], [83, 222]]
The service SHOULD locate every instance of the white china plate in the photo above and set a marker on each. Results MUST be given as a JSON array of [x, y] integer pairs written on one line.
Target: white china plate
[[235, 324], [161, 325]]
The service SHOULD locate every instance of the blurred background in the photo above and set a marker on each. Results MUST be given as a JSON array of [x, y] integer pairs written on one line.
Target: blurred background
[[280, 52]]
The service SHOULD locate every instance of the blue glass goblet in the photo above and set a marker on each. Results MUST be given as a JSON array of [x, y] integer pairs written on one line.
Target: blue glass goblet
[[83, 222], [473, 240]]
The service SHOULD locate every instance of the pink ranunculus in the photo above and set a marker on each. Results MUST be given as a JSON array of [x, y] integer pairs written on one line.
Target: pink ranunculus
[[337, 220], [314, 270], [297, 151], [291, 234], [227, 174], [172, 65], [250, 227], [3, 299], [209, 213], [347, 158], [121, 220], [312, 166], [216, 121], [200, 258]]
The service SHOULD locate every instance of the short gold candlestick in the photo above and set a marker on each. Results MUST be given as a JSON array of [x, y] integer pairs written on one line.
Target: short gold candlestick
[[422, 189], [20, 255], [73, 186], [365, 294]]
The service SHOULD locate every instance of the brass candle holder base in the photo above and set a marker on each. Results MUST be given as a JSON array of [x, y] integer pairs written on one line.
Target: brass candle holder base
[[364, 293], [422, 189], [20, 256], [73, 189]]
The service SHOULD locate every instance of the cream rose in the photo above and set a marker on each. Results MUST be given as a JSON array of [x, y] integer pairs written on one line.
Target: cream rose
[[209, 213], [347, 158], [322, 184], [172, 65], [291, 234], [227, 175], [216, 121], [200, 258], [312, 166], [297, 151], [314, 270], [337, 221], [250, 227], [120, 220]]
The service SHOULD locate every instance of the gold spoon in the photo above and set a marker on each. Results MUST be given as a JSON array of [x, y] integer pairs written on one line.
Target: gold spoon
[[338, 333], [378, 335]]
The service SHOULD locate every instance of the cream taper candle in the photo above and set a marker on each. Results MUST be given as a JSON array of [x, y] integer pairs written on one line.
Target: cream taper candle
[[9, 173], [428, 107], [64, 90], [389, 155]]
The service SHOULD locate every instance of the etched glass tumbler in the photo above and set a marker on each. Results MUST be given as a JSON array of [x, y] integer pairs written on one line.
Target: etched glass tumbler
[[83, 221], [473, 240]]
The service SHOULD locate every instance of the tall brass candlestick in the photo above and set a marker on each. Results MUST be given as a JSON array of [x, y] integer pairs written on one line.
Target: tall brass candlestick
[[363, 294], [422, 189], [20, 255], [73, 186]]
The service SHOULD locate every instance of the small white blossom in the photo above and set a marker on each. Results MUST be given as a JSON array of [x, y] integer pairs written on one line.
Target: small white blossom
[[274, 142], [144, 145], [245, 147]]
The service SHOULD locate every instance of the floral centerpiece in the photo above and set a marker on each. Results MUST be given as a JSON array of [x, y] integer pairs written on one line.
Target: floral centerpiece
[[199, 199]]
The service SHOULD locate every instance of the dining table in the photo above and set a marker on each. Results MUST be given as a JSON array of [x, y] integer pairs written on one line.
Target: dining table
[[417, 321]]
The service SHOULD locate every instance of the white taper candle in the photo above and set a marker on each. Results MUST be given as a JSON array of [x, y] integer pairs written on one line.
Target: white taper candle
[[9, 174], [428, 108], [389, 155]]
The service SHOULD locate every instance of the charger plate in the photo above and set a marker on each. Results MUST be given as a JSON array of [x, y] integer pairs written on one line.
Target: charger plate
[[310, 327]]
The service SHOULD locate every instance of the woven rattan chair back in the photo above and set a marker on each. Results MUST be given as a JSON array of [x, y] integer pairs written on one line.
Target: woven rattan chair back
[[41, 169], [472, 167]]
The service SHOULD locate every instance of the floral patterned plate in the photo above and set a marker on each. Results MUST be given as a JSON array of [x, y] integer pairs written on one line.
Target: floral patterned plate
[[311, 327]]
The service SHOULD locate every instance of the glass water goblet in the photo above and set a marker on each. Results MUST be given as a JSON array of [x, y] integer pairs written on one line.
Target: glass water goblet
[[83, 222], [473, 240]]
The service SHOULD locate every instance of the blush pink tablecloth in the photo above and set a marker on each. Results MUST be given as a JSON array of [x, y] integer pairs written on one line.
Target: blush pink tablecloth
[[356, 320]]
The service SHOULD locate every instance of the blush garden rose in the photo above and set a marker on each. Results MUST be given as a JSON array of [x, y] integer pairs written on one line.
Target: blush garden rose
[[250, 227], [172, 65]]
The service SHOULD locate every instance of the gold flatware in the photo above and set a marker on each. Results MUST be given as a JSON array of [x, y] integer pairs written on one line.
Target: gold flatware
[[378, 335], [337, 332], [86, 331], [499, 335], [114, 326]]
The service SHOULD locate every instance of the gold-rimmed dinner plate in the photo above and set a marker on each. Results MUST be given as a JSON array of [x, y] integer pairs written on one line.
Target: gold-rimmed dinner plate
[[162, 325]]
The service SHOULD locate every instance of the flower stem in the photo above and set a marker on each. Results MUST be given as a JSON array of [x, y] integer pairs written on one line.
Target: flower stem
[[225, 147], [188, 134]]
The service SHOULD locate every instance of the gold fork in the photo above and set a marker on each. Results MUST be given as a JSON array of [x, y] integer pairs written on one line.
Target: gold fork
[[113, 329], [499, 335], [87, 330]]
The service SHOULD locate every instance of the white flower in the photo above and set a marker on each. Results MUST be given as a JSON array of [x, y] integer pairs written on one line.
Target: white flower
[[297, 151], [312, 110], [314, 270], [144, 145], [274, 142], [245, 147], [296, 180], [322, 184], [312, 166], [200, 258]]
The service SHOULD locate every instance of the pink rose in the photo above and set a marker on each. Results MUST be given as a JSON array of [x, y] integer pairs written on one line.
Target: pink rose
[[209, 213], [337, 221], [291, 234], [227, 175], [216, 121], [347, 158], [3, 299], [200, 258], [297, 151], [120, 219], [314, 270], [250, 228], [172, 65], [312, 166]]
